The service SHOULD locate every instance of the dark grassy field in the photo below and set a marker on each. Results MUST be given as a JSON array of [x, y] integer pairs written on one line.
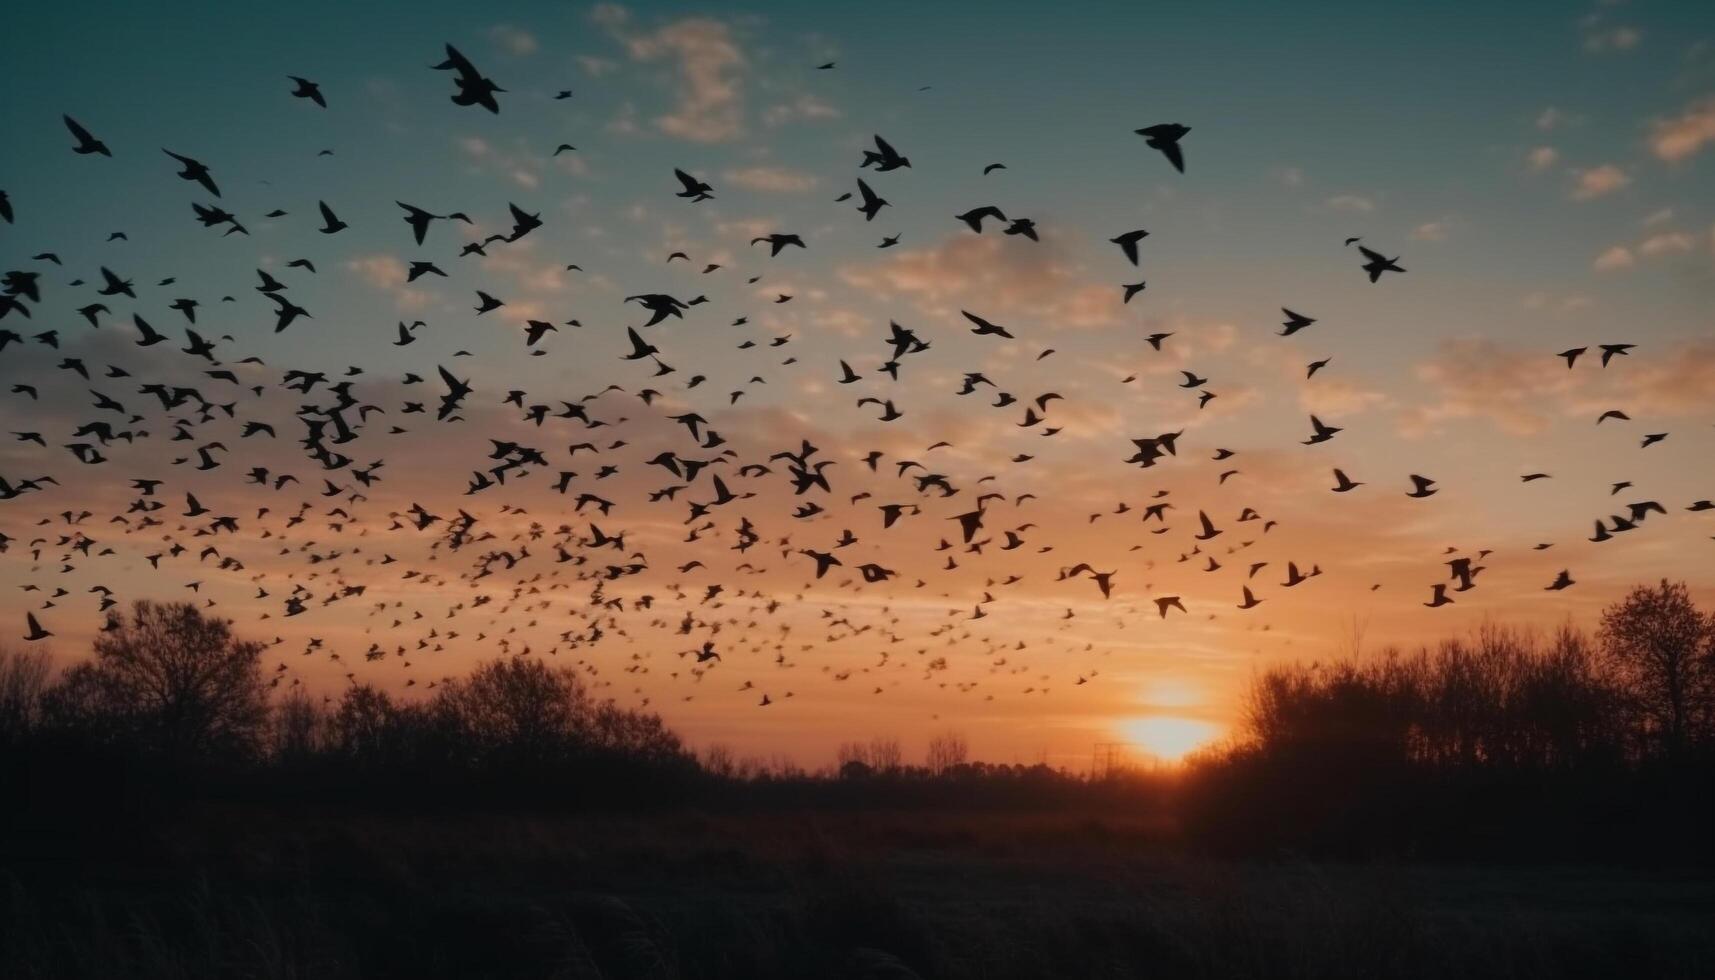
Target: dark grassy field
[[233, 892]]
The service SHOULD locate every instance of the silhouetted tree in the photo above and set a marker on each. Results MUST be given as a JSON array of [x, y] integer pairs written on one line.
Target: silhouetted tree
[[515, 707], [171, 680], [885, 754], [638, 736], [718, 760], [946, 751], [24, 677], [361, 725], [1660, 651], [877, 755], [300, 727]]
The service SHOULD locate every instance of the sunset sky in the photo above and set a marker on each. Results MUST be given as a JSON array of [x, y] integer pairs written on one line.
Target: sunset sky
[[1545, 174]]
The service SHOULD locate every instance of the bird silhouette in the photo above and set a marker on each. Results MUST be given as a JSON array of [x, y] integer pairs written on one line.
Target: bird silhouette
[[1165, 137], [1375, 263], [306, 89], [36, 632], [86, 143], [692, 188]]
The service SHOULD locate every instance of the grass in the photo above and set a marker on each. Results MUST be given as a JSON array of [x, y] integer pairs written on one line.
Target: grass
[[228, 893]]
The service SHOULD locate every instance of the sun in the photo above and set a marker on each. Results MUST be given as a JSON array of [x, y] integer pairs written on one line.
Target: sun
[[1169, 738]]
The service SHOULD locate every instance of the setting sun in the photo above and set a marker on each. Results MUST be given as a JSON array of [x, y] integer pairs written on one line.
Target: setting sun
[[1169, 738]]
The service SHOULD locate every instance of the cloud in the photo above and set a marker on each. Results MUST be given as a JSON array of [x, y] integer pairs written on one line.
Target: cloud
[[1681, 137], [1681, 383], [1337, 397], [1617, 257], [1542, 158], [1599, 182], [596, 67], [775, 179], [1624, 257], [1552, 118], [380, 271], [1432, 231], [1479, 378], [1621, 38], [994, 272], [522, 168], [1667, 243], [610, 15], [513, 40], [1351, 202], [387, 273], [802, 108], [1569, 303], [710, 109], [1522, 388], [1678, 382]]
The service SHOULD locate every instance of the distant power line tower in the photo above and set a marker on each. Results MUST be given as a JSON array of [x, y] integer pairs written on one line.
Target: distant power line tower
[[1108, 759]]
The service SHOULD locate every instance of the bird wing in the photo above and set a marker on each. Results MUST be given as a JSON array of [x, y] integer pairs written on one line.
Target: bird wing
[[1174, 155]]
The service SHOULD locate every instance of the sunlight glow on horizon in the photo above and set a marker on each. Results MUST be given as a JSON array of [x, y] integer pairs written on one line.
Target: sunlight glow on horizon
[[1169, 738]]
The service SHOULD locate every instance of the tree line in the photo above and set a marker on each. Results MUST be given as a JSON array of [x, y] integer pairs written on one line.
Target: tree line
[[1503, 743]]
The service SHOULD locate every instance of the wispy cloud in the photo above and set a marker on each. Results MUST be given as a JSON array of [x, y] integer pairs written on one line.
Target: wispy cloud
[[1600, 38], [776, 179], [1351, 202], [994, 272], [387, 274], [1480, 378], [1667, 243], [710, 66], [1433, 231], [804, 107], [1614, 257], [1682, 136], [1599, 182], [513, 40]]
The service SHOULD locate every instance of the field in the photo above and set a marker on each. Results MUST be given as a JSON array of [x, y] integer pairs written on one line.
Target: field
[[234, 892]]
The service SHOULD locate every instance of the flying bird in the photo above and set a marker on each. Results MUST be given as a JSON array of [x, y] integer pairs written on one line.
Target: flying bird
[[306, 89], [86, 143], [1375, 263], [693, 189], [1165, 137]]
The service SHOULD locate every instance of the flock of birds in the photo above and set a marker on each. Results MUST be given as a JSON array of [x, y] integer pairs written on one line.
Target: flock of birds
[[502, 568]]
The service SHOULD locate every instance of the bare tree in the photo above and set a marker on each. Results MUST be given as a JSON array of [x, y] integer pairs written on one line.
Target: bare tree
[[851, 753], [718, 760], [946, 751], [300, 726], [518, 706], [885, 754], [23, 680], [177, 681], [361, 723], [1660, 649], [639, 735], [852, 761]]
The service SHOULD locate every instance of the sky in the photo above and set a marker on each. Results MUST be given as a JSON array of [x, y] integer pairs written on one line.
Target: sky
[[1544, 172]]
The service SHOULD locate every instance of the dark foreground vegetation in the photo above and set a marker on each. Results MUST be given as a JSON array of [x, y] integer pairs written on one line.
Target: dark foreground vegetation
[[1499, 806]]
